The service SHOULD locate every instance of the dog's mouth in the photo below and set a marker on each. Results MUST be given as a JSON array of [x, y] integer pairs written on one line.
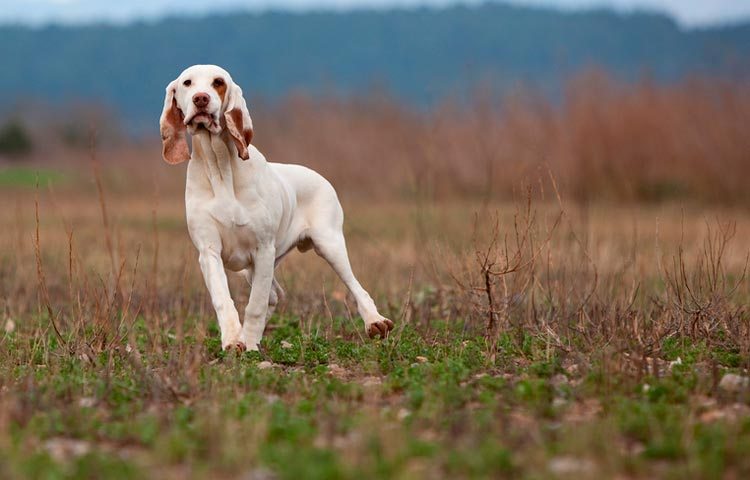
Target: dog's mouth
[[202, 119]]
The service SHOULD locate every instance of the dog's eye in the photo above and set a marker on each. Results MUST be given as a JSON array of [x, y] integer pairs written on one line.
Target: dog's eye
[[218, 82], [187, 83]]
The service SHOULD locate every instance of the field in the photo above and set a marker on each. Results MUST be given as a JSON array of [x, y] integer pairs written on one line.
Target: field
[[543, 328]]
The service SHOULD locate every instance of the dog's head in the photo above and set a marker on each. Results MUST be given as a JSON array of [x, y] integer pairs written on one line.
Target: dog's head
[[203, 97]]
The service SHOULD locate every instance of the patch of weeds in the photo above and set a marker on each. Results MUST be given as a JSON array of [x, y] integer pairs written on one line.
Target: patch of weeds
[[683, 348], [268, 380], [448, 376], [537, 393], [408, 346], [101, 465], [728, 357], [488, 459], [288, 448], [473, 353], [316, 351], [492, 384], [212, 343], [674, 388], [710, 446], [284, 353], [658, 426], [91, 465], [292, 462], [420, 448], [42, 466], [346, 350], [252, 357], [546, 368], [245, 405]]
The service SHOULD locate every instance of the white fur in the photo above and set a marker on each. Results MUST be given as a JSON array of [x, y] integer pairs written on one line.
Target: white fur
[[246, 215]]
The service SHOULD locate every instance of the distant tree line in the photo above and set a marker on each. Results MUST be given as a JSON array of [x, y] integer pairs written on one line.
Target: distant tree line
[[420, 55]]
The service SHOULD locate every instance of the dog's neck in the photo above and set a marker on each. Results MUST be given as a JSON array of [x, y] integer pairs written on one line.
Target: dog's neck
[[218, 156]]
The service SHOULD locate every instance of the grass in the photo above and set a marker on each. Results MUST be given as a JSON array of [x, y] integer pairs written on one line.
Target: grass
[[533, 340], [26, 177], [338, 407]]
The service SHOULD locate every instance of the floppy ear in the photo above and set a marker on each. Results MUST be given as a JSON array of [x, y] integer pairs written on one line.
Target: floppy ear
[[174, 146], [239, 123]]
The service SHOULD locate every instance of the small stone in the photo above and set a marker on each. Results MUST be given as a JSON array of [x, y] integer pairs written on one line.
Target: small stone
[[403, 413], [678, 361], [264, 365], [336, 370], [421, 359], [711, 416], [63, 449], [569, 465], [85, 358], [734, 383], [86, 402], [10, 326], [286, 345], [371, 382]]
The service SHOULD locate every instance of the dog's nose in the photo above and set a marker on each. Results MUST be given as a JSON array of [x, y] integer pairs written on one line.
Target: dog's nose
[[201, 100]]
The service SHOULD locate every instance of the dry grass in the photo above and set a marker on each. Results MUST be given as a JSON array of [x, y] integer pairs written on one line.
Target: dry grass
[[604, 141], [538, 336], [606, 296]]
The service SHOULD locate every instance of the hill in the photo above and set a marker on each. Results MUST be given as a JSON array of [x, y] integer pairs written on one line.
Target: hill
[[418, 54]]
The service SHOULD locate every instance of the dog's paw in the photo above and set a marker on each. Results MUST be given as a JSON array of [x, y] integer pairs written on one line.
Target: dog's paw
[[252, 345], [236, 346], [380, 328]]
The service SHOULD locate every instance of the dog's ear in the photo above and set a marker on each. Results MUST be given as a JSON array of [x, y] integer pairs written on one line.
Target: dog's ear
[[174, 146], [239, 123]]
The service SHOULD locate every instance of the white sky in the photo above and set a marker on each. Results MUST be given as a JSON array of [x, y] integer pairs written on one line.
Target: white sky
[[687, 12]]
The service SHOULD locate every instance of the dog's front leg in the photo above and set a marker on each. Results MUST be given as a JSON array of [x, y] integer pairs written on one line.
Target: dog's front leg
[[257, 306], [216, 282]]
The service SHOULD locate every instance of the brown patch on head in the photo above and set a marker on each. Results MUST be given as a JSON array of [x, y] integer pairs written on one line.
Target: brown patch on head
[[220, 85]]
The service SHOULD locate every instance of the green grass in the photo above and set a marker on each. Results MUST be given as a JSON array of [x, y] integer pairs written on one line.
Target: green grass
[[26, 177], [338, 406]]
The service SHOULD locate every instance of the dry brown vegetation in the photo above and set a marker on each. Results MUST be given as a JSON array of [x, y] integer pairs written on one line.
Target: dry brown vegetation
[[604, 141], [530, 333]]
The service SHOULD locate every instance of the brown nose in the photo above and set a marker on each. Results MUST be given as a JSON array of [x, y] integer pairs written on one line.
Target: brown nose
[[201, 100]]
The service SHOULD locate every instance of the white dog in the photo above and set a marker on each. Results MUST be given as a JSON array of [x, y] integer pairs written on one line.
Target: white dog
[[245, 214]]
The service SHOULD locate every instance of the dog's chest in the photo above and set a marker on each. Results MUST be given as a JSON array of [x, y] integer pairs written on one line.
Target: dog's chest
[[237, 247]]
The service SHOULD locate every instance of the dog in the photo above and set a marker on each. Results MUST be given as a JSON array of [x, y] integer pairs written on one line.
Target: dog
[[245, 214]]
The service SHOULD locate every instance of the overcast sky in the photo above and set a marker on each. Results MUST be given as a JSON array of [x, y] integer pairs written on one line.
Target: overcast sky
[[687, 12]]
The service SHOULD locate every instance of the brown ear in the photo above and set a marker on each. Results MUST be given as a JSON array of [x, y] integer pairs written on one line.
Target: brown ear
[[239, 123], [174, 146]]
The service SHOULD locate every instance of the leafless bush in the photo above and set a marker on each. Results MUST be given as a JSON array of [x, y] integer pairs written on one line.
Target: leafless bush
[[699, 291]]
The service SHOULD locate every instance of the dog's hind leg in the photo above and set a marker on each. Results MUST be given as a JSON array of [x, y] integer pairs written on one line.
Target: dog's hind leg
[[330, 245]]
